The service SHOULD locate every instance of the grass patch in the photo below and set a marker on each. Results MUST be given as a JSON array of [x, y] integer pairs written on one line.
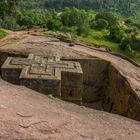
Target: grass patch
[[136, 59], [99, 38], [51, 96], [49, 33], [132, 55], [14, 40], [4, 33]]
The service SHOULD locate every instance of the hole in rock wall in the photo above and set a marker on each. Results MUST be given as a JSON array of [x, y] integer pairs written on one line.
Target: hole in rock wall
[[70, 93]]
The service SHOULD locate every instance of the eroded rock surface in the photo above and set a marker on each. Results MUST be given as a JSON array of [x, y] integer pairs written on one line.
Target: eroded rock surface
[[26, 114]]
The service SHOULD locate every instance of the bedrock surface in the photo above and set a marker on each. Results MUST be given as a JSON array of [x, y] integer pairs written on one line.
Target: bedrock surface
[[28, 115]]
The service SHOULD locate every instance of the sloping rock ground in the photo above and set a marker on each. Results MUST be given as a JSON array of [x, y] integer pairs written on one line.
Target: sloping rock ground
[[28, 115], [46, 46]]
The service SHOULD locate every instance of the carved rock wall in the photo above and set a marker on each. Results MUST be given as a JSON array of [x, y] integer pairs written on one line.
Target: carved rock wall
[[104, 82], [46, 74], [119, 96], [94, 78]]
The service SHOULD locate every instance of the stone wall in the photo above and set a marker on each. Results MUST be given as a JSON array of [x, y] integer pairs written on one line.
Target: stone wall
[[103, 82], [4, 55], [71, 87], [119, 96], [95, 77]]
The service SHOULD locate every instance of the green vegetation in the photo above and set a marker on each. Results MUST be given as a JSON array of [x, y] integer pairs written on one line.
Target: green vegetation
[[103, 26], [123, 7], [99, 38], [14, 40], [4, 32], [51, 97]]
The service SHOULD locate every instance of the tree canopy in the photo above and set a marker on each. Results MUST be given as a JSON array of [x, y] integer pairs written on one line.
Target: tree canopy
[[124, 7]]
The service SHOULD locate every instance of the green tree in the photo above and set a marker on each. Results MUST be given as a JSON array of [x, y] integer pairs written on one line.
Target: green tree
[[84, 29], [9, 7], [109, 17], [54, 22], [3, 8], [30, 18], [99, 24], [124, 7], [126, 43], [75, 17], [117, 34]]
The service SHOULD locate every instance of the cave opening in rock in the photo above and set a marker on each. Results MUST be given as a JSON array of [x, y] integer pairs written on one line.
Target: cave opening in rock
[[70, 93]]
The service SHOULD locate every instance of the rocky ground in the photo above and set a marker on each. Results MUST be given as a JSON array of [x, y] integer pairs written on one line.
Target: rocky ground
[[38, 44], [28, 115]]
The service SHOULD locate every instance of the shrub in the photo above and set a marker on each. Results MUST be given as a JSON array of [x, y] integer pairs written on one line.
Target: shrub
[[117, 34], [128, 21], [99, 24], [65, 37], [10, 23], [32, 18], [74, 17], [69, 29], [126, 43], [108, 16], [3, 33], [54, 23], [83, 29]]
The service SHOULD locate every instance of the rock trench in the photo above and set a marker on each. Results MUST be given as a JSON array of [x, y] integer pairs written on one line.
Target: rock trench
[[105, 85]]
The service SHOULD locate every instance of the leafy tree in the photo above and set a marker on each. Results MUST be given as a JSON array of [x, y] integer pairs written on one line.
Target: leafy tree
[[126, 43], [3, 8], [54, 22], [9, 7], [124, 7], [27, 21], [99, 24], [117, 34], [84, 29], [9, 23], [32, 18], [109, 17], [76, 17]]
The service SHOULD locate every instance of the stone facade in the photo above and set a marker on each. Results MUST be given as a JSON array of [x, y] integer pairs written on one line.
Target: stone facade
[[48, 75]]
